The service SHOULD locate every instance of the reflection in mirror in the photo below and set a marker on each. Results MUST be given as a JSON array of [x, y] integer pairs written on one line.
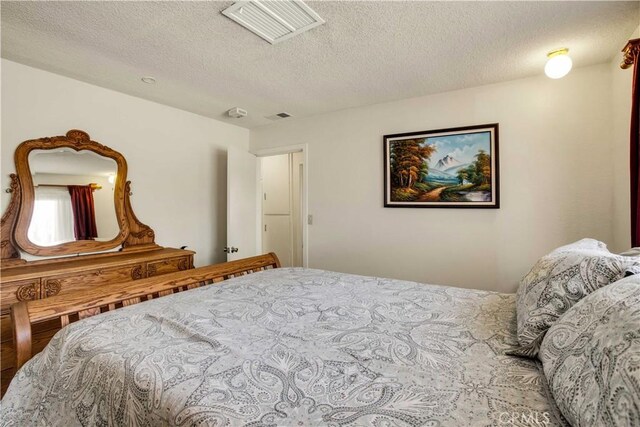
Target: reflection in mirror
[[74, 197]]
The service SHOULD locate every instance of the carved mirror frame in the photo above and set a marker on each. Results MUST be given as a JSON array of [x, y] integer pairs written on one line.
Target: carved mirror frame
[[15, 222]]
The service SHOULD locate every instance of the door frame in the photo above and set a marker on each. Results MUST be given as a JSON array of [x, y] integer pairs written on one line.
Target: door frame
[[266, 152]]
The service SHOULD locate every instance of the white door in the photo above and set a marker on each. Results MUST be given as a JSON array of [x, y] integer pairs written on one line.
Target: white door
[[241, 204], [276, 177], [276, 207], [276, 237]]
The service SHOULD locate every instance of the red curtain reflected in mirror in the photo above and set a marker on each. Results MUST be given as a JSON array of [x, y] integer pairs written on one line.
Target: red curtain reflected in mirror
[[84, 214]]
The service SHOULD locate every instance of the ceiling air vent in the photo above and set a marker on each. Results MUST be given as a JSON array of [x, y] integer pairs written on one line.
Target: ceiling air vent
[[272, 20], [278, 116]]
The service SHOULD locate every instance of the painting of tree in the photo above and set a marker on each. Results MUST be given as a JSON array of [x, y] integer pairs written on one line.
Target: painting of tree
[[409, 159]]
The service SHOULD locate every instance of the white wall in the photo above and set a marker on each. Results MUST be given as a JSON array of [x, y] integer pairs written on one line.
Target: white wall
[[556, 152], [556, 181], [621, 120], [176, 159]]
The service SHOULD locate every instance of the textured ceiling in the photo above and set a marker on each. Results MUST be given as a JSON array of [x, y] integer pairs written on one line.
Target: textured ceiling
[[71, 162], [366, 53]]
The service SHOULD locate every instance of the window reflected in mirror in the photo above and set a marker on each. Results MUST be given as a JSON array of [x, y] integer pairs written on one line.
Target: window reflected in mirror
[[52, 220], [74, 197]]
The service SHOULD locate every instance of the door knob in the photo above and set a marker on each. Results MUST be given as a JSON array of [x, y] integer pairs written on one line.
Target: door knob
[[230, 250]]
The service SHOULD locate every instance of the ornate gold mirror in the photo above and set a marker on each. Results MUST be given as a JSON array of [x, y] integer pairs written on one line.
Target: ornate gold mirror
[[73, 196]]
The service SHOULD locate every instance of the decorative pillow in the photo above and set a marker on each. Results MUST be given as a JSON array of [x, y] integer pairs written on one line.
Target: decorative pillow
[[558, 281], [591, 357]]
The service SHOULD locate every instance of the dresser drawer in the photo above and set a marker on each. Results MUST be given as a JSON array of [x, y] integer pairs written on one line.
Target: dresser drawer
[[7, 355], [7, 352], [6, 328], [6, 375], [170, 265], [12, 292], [54, 285]]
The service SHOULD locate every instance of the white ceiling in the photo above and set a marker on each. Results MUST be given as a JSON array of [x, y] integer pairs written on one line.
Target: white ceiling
[[366, 53], [71, 162]]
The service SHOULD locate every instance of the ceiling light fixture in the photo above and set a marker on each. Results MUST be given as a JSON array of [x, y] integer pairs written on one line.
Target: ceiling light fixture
[[559, 63], [148, 80]]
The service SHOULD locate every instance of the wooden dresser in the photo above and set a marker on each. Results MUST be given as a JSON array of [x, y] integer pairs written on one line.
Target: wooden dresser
[[42, 279], [66, 270]]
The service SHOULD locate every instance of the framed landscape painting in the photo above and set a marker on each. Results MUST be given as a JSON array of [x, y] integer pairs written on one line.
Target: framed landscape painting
[[444, 168]]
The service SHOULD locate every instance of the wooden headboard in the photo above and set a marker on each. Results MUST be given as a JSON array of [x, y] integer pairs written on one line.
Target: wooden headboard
[[74, 306]]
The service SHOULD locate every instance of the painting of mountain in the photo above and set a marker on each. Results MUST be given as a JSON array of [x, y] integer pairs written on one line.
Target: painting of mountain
[[436, 175], [444, 168], [447, 162]]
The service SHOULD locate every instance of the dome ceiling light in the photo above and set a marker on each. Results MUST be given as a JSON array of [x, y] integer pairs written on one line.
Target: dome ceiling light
[[559, 63]]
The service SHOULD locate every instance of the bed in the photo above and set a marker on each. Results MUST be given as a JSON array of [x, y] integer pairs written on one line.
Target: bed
[[288, 347]]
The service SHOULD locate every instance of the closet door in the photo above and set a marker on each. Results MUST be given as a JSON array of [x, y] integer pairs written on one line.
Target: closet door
[[276, 237], [277, 227], [276, 185]]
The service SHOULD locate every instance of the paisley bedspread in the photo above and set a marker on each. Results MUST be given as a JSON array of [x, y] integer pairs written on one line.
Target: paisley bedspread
[[289, 347]]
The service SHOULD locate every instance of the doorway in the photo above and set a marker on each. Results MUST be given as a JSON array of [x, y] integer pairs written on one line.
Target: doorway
[[282, 206]]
